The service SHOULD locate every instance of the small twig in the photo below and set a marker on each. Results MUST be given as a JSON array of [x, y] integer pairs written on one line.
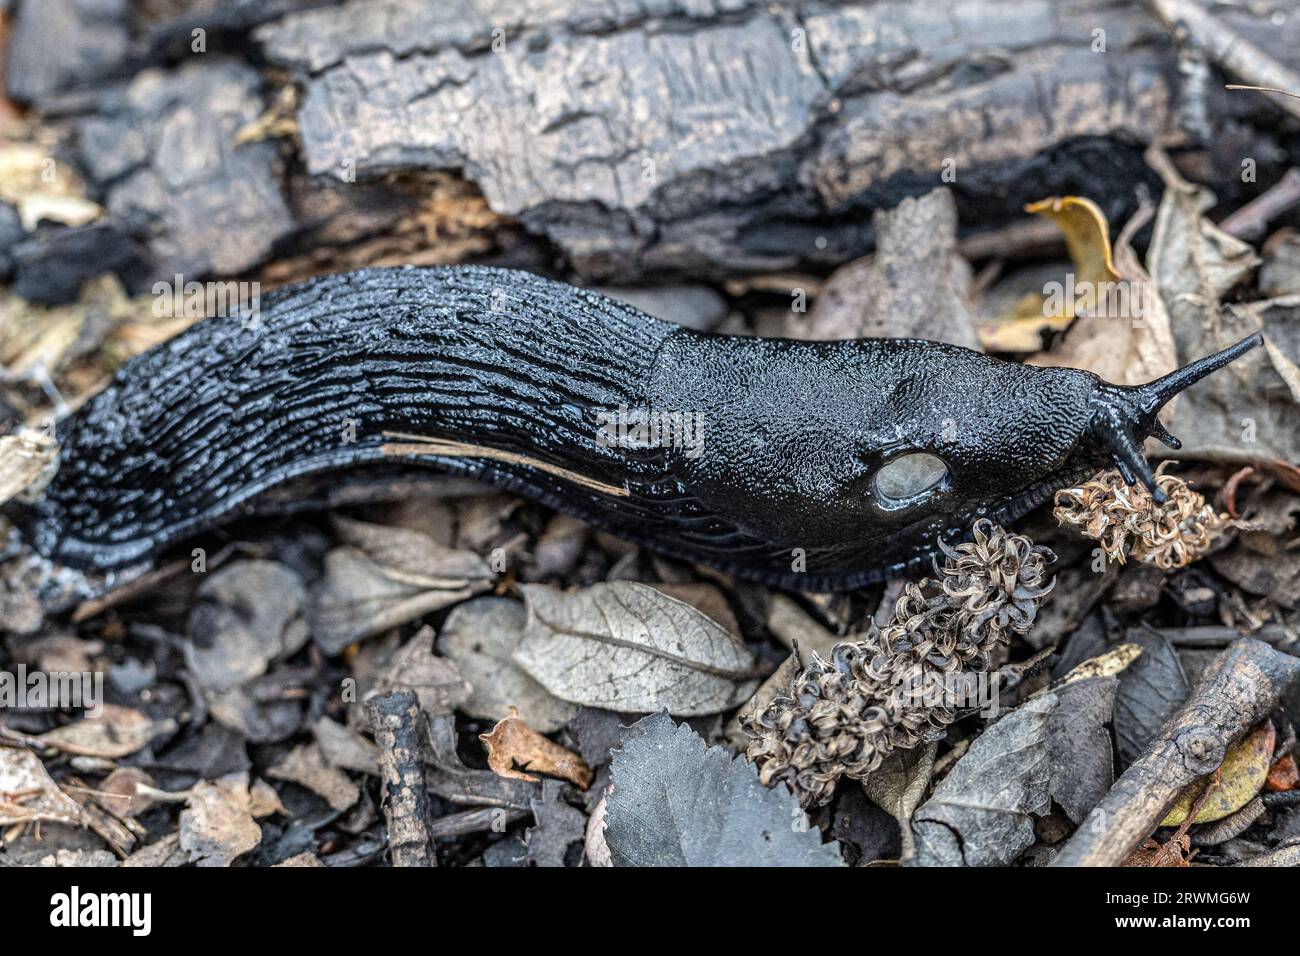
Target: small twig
[[1252, 219], [1209, 635], [1229, 491], [398, 728], [1238, 690], [1261, 89], [1286, 798], [474, 821], [1228, 49], [1233, 825], [1285, 854]]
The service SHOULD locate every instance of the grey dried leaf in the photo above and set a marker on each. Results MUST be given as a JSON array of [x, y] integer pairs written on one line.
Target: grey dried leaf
[[867, 833], [356, 599], [252, 716], [165, 852], [1194, 265], [246, 615], [793, 625], [344, 748], [1150, 690], [480, 636], [629, 647], [406, 554], [116, 732], [558, 827], [436, 680], [898, 785], [558, 548], [915, 285], [306, 766], [217, 824], [676, 802], [981, 814], [1081, 753], [386, 576], [79, 858], [705, 598]]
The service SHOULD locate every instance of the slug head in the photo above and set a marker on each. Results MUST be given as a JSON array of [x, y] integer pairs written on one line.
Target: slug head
[[1121, 417], [864, 454]]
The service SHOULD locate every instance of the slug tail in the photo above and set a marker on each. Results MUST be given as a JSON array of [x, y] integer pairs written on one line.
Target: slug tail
[[1122, 417]]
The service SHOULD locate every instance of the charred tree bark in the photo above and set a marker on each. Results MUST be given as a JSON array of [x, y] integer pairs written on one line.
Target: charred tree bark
[[639, 138]]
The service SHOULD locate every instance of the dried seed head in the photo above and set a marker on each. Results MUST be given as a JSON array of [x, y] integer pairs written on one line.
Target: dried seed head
[[1126, 520], [844, 716]]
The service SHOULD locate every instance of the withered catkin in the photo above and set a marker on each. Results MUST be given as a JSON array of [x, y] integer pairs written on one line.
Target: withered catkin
[[1125, 519], [905, 685]]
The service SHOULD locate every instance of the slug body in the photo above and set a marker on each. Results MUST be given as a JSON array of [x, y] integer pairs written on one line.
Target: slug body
[[817, 465]]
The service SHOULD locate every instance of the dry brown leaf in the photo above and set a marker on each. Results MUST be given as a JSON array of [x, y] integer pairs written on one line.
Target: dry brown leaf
[[1154, 853], [305, 765], [513, 742], [383, 576], [28, 793], [1283, 775], [1242, 776], [41, 188], [124, 792], [117, 732], [217, 824], [264, 801], [436, 680], [25, 458], [1289, 371], [81, 341], [60, 652], [166, 852], [594, 845], [1195, 266]]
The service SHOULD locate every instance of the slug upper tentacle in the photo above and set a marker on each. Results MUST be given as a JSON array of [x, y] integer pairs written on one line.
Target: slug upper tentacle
[[1122, 417], [817, 465]]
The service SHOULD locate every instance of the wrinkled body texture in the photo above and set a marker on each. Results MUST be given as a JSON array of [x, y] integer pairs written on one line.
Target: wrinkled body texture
[[775, 482]]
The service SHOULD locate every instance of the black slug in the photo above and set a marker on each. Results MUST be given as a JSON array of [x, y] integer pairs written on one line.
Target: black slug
[[817, 465]]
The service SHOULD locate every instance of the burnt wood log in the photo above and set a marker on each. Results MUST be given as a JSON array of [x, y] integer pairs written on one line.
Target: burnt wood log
[[743, 136], [660, 136]]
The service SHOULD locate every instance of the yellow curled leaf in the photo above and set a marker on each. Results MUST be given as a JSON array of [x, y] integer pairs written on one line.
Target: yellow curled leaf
[[1087, 237], [1242, 776]]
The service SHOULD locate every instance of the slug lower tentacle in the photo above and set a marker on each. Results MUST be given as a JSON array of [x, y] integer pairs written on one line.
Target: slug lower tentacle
[[818, 465]]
